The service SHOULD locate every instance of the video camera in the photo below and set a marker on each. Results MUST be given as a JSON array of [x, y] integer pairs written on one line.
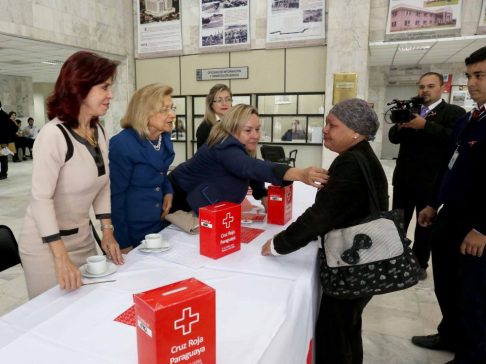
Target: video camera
[[402, 110]]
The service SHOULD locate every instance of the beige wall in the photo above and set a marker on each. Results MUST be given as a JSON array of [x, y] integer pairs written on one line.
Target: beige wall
[[270, 71]]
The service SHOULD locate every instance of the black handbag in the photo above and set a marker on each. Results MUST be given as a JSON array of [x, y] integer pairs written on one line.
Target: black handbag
[[371, 258]]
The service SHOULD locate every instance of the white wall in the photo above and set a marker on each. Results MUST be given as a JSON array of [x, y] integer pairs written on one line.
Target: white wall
[[41, 93]]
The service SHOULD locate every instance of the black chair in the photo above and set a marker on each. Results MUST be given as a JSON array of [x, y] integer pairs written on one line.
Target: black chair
[[9, 249], [276, 153]]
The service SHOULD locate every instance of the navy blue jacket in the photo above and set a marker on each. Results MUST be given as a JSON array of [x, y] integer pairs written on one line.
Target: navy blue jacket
[[138, 176], [223, 173], [463, 186]]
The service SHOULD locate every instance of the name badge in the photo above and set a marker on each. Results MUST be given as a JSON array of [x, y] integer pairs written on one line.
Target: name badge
[[453, 159]]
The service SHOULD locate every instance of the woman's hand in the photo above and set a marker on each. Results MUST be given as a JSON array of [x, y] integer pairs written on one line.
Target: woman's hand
[[313, 176], [68, 275], [425, 216], [167, 205], [111, 247], [473, 244], [264, 201], [266, 248]]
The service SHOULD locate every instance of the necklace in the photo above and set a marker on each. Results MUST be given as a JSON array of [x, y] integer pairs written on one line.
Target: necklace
[[92, 140], [157, 147]]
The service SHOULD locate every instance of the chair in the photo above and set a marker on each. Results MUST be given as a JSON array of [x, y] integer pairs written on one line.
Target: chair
[[276, 153], [9, 249]]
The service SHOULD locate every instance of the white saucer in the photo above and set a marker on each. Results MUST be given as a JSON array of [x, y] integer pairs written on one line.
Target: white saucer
[[144, 248], [111, 268]]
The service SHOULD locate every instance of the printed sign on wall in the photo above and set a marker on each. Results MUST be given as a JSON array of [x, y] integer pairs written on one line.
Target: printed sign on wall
[[423, 19], [159, 28], [295, 23], [224, 26]]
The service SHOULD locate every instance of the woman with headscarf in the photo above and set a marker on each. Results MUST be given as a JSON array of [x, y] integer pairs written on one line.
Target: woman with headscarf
[[343, 202]]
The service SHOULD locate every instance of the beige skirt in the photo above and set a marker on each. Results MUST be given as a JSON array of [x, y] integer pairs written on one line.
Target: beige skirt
[[38, 261]]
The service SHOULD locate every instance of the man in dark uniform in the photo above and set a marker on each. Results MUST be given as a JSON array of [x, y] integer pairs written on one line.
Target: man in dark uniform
[[459, 233], [4, 140], [423, 143]]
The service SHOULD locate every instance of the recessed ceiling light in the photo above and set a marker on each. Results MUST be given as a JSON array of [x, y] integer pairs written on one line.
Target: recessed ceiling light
[[413, 48], [52, 62]]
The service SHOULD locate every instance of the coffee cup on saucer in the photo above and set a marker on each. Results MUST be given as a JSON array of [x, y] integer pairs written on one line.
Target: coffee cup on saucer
[[154, 241], [96, 264]]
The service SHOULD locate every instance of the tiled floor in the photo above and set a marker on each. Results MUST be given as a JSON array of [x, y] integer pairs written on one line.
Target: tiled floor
[[389, 321]]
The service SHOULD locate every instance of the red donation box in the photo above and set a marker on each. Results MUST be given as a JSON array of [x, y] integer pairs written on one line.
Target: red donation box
[[177, 324], [219, 229], [279, 204]]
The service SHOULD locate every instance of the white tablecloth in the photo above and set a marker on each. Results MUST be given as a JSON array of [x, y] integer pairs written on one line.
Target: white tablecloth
[[266, 306]]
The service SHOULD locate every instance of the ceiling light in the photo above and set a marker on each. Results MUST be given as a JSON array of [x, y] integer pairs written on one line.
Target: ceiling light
[[413, 48], [52, 62]]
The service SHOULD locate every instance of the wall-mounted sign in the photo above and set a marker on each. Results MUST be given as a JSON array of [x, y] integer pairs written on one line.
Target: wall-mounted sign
[[222, 74], [345, 86], [423, 19], [159, 28], [224, 26], [295, 23]]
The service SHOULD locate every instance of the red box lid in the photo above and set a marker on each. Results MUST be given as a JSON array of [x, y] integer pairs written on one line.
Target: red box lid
[[175, 293], [219, 206]]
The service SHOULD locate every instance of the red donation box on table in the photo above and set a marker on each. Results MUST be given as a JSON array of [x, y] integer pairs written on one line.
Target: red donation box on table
[[219, 229], [279, 204], [177, 324]]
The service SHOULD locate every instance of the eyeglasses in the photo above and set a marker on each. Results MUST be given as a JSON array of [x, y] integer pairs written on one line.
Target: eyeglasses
[[220, 100], [168, 110]]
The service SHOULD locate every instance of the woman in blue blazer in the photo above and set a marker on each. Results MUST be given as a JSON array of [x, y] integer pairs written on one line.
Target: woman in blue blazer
[[224, 167], [140, 156]]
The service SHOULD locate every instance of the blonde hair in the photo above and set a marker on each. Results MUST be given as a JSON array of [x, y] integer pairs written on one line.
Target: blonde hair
[[145, 102], [209, 115], [232, 124]]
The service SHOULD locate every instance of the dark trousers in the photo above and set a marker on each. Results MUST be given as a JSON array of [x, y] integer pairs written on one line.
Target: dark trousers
[[460, 287], [408, 200], [338, 331], [3, 165], [18, 145], [179, 201]]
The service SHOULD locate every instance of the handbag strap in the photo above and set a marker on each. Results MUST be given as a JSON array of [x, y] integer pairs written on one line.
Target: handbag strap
[[372, 193]]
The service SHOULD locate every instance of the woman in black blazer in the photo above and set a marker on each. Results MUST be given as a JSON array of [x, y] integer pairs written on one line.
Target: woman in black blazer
[[218, 101], [343, 202]]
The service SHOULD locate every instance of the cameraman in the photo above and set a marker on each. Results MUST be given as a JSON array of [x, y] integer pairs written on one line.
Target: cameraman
[[423, 142]]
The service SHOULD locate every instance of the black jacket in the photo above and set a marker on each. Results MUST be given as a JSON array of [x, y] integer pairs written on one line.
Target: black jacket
[[202, 133], [343, 202], [6, 130], [421, 151]]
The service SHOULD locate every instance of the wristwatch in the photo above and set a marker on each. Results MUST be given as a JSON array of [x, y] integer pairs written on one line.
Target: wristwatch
[[103, 227]]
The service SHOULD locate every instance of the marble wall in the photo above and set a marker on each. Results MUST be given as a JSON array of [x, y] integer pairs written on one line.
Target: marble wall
[[379, 15], [16, 94], [347, 49], [98, 25]]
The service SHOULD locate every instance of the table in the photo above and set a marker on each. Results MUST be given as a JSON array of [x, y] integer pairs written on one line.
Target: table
[[266, 306]]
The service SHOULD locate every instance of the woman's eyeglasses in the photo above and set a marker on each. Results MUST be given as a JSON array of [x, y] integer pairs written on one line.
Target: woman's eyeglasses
[[220, 100], [168, 110]]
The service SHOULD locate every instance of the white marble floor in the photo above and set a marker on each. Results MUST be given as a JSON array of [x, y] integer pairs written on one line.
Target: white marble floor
[[389, 321]]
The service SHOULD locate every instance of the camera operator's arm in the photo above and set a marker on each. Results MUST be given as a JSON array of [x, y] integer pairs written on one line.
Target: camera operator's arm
[[441, 132], [395, 134], [416, 123]]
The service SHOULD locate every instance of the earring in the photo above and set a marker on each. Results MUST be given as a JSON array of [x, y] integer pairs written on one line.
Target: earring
[[355, 137]]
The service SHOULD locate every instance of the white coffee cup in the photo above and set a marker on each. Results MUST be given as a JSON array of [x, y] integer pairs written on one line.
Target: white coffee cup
[[154, 241], [96, 264]]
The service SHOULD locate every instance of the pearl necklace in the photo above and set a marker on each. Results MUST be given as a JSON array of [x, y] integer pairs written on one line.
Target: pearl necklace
[[157, 147]]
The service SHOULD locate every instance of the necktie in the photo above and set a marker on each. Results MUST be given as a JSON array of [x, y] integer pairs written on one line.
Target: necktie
[[477, 112], [424, 111]]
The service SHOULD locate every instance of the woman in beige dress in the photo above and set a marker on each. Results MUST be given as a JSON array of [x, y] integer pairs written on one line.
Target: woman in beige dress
[[70, 174]]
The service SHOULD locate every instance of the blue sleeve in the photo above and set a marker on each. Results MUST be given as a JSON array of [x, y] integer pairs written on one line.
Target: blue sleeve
[[121, 168], [167, 187], [240, 164]]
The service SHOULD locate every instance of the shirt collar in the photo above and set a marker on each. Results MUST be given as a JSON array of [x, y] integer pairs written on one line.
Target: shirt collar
[[434, 105]]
